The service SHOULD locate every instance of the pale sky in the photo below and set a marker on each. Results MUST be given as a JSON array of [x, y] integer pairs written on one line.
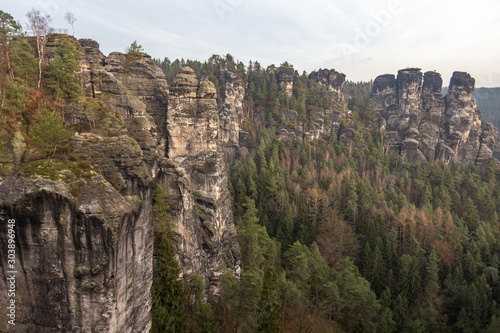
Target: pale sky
[[362, 39]]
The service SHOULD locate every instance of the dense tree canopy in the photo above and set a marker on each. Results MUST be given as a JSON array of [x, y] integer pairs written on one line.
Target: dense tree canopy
[[333, 238]]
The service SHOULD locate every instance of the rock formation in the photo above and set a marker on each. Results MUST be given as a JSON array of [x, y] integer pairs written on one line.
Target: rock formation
[[135, 89], [421, 123], [84, 250], [331, 79], [324, 123], [196, 176], [230, 100], [330, 121], [183, 125], [285, 77], [84, 228]]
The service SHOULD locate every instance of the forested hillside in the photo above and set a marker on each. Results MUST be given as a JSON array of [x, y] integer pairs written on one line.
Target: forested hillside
[[337, 234], [344, 237]]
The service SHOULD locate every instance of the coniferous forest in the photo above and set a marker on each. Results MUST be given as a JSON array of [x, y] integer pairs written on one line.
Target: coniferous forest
[[333, 238], [341, 240]]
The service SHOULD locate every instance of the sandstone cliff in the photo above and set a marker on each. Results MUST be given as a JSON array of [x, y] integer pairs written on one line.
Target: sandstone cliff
[[84, 249], [423, 124], [285, 77], [84, 225], [231, 97], [324, 123], [196, 176]]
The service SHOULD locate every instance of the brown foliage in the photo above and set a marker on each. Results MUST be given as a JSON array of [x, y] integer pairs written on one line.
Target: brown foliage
[[336, 238]]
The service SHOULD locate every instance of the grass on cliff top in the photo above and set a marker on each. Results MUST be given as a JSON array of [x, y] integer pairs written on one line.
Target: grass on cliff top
[[56, 169]]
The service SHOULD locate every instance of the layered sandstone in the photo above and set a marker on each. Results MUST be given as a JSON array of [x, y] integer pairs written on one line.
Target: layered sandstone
[[423, 124]]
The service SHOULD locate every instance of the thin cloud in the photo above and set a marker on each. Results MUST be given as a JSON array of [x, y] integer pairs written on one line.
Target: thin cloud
[[445, 35]]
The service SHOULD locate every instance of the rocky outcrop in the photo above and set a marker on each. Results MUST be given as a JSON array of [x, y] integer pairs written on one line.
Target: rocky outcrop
[[135, 89], [432, 119], [285, 77], [230, 101], [196, 177], [329, 78], [84, 232], [325, 123], [462, 119], [421, 123], [12, 149], [330, 121], [84, 250]]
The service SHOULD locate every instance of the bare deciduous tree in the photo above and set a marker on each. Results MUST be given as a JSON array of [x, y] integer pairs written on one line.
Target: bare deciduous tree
[[336, 239], [39, 25], [71, 19]]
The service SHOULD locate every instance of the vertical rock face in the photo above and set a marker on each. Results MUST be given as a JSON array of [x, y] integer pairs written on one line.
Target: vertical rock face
[[192, 124], [85, 230], [408, 90], [463, 120], [329, 121], [431, 127], [385, 98], [230, 100], [84, 250], [285, 77], [136, 89], [398, 101], [423, 124], [196, 176], [324, 123]]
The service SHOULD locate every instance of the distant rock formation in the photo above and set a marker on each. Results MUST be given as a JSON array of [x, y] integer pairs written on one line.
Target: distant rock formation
[[285, 77], [423, 124], [329, 78]]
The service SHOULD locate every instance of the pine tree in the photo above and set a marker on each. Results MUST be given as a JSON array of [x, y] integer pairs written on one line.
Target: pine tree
[[203, 320], [8, 29], [432, 286], [48, 133], [410, 280], [256, 246], [168, 308], [269, 305], [61, 72], [248, 292]]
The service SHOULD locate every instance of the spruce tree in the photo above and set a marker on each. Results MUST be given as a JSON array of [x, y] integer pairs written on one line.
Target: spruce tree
[[168, 308], [269, 305], [61, 72]]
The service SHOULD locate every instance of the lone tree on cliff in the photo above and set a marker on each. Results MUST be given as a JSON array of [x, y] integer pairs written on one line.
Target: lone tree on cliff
[[8, 28], [39, 25], [71, 19], [135, 51]]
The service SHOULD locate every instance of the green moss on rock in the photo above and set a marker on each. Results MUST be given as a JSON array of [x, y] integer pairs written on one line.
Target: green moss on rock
[[56, 169]]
